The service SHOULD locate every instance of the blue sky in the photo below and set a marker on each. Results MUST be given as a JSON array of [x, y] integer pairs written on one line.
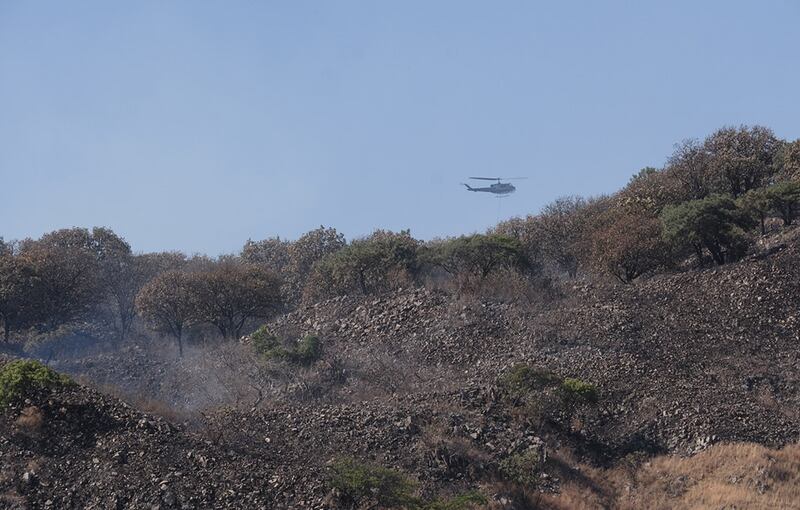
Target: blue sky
[[197, 125]]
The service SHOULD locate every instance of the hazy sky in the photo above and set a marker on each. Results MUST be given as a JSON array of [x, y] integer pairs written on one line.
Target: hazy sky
[[196, 125]]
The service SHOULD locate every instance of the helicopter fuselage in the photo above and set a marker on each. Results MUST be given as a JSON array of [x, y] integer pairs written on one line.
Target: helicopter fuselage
[[500, 188]]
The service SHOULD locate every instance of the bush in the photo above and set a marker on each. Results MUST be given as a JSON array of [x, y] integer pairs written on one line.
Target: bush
[[268, 346], [21, 378], [360, 482], [308, 350], [523, 379], [522, 468], [575, 391]]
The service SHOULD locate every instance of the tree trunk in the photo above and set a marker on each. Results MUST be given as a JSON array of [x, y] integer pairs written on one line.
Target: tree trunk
[[717, 254], [698, 251], [361, 282], [179, 339]]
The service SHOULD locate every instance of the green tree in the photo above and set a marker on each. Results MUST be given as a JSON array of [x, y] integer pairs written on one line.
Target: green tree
[[370, 265], [714, 223], [758, 203], [784, 198], [470, 259]]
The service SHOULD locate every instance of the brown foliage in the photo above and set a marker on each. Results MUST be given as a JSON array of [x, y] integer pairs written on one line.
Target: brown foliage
[[628, 245], [231, 293], [272, 253], [167, 303], [788, 161], [66, 264], [741, 159], [731, 160]]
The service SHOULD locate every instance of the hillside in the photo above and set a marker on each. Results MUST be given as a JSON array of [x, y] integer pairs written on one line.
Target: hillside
[[415, 380]]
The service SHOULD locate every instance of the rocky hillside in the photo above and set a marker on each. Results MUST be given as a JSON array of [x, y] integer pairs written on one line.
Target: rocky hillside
[[424, 384]]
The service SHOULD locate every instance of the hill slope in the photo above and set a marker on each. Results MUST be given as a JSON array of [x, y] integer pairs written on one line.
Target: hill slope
[[414, 381]]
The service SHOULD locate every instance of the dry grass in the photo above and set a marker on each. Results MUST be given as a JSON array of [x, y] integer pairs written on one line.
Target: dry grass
[[30, 420], [726, 476]]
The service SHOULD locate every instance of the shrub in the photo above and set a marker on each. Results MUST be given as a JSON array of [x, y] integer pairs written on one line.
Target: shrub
[[523, 379], [268, 346], [360, 482], [308, 350], [263, 340], [522, 468], [20, 378], [576, 391]]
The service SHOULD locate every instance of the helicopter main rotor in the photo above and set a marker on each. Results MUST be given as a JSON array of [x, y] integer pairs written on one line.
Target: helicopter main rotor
[[498, 179]]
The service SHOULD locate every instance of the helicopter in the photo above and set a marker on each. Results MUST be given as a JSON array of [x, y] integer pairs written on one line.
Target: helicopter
[[498, 188]]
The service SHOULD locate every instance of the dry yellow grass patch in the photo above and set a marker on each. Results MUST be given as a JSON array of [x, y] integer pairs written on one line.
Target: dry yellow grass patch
[[727, 476]]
